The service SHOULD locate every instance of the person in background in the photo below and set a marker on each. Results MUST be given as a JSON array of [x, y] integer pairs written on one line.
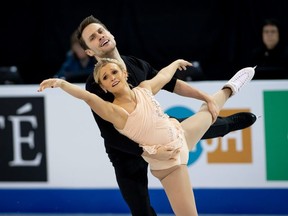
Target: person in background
[[10, 75], [271, 57], [126, 157], [77, 65]]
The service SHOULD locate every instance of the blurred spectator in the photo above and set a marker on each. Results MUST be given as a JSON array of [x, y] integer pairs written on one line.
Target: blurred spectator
[[10, 75], [77, 65], [271, 57]]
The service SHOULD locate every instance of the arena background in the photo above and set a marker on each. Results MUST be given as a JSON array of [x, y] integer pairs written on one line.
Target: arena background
[[219, 34]]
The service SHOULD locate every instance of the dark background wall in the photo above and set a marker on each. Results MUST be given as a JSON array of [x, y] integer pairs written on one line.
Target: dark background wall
[[220, 34]]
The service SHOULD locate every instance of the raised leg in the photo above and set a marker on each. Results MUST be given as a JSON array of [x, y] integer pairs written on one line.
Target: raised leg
[[197, 125]]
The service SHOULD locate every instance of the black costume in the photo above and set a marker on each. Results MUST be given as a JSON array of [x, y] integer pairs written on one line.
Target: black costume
[[271, 64]]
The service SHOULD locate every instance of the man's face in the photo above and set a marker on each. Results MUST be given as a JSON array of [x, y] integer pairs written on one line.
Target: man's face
[[100, 41], [270, 36]]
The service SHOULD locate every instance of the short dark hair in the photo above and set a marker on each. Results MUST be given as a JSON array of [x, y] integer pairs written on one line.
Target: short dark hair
[[85, 22], [271, 21]]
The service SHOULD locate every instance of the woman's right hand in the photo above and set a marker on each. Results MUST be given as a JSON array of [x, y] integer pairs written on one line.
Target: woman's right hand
[[50, 83]]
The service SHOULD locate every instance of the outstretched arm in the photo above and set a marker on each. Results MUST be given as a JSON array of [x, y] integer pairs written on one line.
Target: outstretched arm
[[104, 109], [165, 75], [70, 88], [184, 89], [181, 88]]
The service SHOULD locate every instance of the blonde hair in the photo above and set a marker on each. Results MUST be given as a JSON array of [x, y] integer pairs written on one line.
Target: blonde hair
[[101, 63]]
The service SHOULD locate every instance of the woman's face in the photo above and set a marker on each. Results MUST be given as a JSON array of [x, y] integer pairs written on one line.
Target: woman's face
[[270, 36], [111, 77]]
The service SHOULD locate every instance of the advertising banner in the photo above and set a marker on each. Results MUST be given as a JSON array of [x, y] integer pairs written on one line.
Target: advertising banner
[[51, 148]]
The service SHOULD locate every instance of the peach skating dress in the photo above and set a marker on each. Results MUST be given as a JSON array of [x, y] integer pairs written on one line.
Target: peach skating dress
[[149, 126]]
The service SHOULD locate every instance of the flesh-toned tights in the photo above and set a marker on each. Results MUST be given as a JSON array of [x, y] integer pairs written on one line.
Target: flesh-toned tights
[[175, 180]]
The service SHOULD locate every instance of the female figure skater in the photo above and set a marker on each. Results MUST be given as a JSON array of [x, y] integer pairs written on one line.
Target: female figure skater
[[154, 128]]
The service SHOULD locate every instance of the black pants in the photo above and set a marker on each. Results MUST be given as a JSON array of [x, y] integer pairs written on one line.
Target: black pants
[[131, 175]]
